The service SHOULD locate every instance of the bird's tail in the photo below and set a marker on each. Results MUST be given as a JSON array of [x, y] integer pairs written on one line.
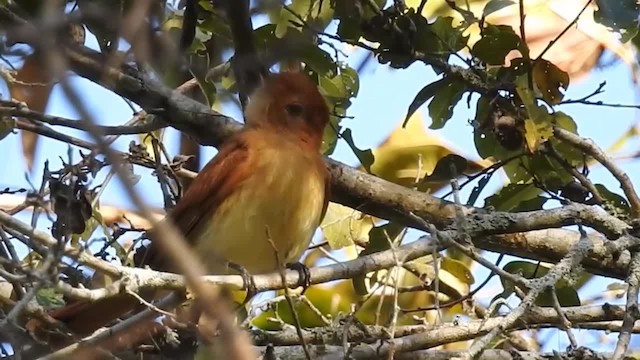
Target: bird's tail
[[83, 318]]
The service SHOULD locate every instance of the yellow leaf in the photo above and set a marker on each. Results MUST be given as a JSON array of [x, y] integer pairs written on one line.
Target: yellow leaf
[[623, 139], [536, 133], [410, 153], [343, 226], [31, 85], [328, 299]]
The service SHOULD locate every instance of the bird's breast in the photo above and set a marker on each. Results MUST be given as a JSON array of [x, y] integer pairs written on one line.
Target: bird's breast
[[276, 209]]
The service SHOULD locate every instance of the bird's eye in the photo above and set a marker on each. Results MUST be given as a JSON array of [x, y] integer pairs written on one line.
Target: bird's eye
[[294, 109]]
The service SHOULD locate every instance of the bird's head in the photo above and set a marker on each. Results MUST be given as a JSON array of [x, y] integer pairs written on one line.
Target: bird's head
[[289, 102]]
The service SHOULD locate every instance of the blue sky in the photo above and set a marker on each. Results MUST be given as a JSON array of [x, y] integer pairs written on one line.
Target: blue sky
[[380, 105]]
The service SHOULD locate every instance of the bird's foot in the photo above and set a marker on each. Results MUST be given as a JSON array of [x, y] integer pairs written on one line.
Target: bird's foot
[[304, 274], [248, 281]]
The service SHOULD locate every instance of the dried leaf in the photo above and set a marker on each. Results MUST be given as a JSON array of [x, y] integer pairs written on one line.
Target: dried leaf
[[31, 85]]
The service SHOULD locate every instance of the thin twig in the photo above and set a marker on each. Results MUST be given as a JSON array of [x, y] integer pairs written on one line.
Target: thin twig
[[632, 310], [589, 147], [287, 296], [151, 124], [536, 287], [565, 324], [564, 31]]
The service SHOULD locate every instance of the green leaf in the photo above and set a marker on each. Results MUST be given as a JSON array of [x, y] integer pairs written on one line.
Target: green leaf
[[564, 121], [317, 59], [619, 15], [343, 226], [516, 197], [457, 268], [350, 80], [496, 42], [441, 107], [6, 126], [365, 156], [294, 45], [331, 131], [495, 5], [615, 203], [483, 110], [567, 295], [380, 239], [447, 168], [450, 37], [217, 28], [438, 38], [475, 192], [568, 152], [49, 298], [552, 175], [207, 87], [308, 10], [538, 123], [338, 91], [424, 95]]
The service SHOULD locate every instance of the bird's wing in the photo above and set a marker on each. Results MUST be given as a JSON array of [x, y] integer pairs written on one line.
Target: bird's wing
[[224, 173], [220, 176], [327, 191]]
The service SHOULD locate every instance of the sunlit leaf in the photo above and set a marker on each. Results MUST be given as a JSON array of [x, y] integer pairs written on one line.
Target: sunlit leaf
[[328, 299], [544, 21], [343, 226], [49, 298], [458, 269], [538, 123], [536, 133], [308, 11], [624, 139], [410, 153]]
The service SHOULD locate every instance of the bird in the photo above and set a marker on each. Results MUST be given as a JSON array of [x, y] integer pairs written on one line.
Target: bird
[[256, 204]]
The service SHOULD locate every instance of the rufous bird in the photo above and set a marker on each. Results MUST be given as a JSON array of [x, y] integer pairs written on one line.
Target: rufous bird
[[266, 187]]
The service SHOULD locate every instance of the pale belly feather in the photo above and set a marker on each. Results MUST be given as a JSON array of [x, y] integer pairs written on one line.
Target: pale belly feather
[[287, 212]]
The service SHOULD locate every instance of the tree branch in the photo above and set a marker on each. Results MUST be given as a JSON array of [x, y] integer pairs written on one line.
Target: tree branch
[[247, 66]]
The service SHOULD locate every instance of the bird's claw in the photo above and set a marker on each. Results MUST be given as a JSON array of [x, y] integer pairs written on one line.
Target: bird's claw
[[304, 275], [248, 282]]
